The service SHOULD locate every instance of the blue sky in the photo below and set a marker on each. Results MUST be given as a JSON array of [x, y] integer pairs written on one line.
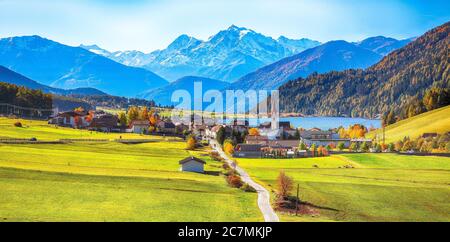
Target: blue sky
[[148, 25]]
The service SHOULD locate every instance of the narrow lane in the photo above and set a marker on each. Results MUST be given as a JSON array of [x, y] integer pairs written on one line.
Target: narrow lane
[[263, 194]]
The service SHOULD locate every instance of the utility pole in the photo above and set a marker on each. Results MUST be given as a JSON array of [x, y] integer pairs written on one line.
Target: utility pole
[[296, 201]]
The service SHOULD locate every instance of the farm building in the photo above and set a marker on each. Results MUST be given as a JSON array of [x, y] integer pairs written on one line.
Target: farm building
[[248, 151], [192, 164], [140, 126], [166, 127]]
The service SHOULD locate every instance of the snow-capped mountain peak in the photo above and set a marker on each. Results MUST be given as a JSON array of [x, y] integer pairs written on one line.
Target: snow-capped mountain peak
[[227, 55]]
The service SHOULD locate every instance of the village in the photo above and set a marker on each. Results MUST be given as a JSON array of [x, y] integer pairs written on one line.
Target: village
[[274, 139]]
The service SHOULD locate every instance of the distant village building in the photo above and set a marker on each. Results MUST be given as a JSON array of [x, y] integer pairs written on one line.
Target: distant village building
[[212, 132], [166, 127], [282, 129], [192, 164], [139, 126], [72, 119], [322, 138], [257, 139], [248, 151], [104, 121]]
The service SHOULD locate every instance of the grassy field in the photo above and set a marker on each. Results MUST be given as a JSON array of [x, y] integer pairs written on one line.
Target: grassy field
[[110, 181], [436, 121], [381, 187], [43, 131]]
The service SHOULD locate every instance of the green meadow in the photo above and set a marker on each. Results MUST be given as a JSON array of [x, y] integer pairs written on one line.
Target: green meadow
[[110, 181], [380, 187], [435, 121]]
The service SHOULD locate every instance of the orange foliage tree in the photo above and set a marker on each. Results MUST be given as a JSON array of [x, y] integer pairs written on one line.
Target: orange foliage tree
[[253, 132], [190, 143]]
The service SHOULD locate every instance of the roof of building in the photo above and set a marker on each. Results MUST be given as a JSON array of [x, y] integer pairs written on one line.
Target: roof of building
[[256, 138], [309, 133], [216, 128], [166, 124], [285, 143], [72, 113], [191, 158], [249, 147], [140, 122]]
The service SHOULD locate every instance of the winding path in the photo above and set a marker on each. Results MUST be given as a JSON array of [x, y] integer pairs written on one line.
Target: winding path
[[263, 194]]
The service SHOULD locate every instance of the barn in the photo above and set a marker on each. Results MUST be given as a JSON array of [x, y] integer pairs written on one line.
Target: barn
[[192, 164]]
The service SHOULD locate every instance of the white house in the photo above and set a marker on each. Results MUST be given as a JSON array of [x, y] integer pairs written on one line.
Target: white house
[[192, 164]]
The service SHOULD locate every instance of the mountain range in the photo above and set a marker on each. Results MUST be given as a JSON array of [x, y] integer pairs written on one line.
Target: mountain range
[[333, 55], [226, 56], [61, 66], [395, 83], [163, 95], [12, 77]]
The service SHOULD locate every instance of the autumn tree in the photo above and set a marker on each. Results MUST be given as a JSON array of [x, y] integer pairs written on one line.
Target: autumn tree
[[143, 113], [253, 132], [78, 121], [313, 150], [285, 184], [228, 147], [89, 117], [154, 119], [190, 143], [79, 109], [436, 97], [133, 113], [122, 119], [302, 146], [364, 147]]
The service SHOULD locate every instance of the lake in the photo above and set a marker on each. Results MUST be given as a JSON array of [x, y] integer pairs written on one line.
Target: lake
[[323, 123]]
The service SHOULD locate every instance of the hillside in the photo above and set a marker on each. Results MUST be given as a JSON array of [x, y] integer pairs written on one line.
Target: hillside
[[392, 84], [436, 121], [383, 45], [12, 77], [62, 66], [334, 55], [163, 95]]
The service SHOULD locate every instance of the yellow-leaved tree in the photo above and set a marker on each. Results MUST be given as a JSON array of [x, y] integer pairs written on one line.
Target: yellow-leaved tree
[[190, 143], [253, 132]]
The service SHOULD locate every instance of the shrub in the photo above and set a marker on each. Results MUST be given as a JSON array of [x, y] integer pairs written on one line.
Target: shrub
[[341, 146], [391, 147], [215, 156], [364, 147], [234, 181], [247, 188], [226, 166], [398, 145], [18, 124], [353, 147], [230, 172], [447, 146]]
